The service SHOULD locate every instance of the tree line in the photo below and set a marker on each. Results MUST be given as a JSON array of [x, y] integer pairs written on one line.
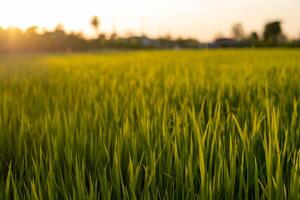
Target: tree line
[[34, 40], [272, 36]]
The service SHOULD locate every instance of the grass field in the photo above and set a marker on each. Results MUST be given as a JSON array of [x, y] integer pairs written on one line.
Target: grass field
[[220, 124]]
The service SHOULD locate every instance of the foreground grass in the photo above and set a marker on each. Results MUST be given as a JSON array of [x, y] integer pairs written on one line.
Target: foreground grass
[[151, 125]]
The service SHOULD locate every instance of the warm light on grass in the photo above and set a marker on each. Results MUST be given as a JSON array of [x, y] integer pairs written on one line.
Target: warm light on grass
[[151, 125]]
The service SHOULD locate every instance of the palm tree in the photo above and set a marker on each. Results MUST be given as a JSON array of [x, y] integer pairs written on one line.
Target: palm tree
[[95, 23]]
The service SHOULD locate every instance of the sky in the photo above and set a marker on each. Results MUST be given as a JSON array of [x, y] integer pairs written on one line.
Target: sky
[[200, 19]]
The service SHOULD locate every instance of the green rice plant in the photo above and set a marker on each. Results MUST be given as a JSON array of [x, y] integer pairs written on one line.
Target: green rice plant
[[211, 124]]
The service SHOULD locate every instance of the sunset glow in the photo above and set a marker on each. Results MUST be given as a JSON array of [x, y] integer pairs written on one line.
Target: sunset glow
[[201, 19]]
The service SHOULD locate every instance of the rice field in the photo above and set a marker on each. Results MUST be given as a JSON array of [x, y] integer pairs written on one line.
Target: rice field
[[210, 124]]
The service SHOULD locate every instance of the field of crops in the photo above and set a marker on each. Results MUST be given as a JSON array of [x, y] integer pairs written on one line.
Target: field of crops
[[219, 124]]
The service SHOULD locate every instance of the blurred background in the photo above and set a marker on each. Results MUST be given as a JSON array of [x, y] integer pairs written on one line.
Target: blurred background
[[44, 25]]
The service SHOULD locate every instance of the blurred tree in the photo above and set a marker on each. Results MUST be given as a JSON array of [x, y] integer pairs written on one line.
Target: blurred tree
[[31, 39], [238, 31], [113, 36], [253, 38], [32, 30], [59, 28], [95, 23], [102, 36], [273, 33]]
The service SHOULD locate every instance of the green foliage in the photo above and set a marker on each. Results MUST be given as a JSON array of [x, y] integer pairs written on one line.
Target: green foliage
[[35, 39], [273, 33], [151, 125]]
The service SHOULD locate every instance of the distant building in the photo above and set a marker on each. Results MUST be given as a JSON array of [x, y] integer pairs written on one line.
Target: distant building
[[225, 42]]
